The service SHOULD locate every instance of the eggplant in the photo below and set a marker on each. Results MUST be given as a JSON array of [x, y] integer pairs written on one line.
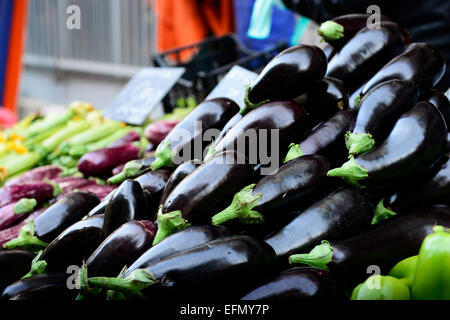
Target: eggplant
[[37, 174], [68, 184], [54, 220], [433, 189], [448, 141], [100, 190], [183, 142], [132, 169], [101, 207], [417, 140], [366, 53], [51, 292], [421, 63], [329, 52], [214, 269], [121, 248], [181, 172], [74, 244], [382, 246], [118, 169], [378, 112], [13, 265], [288, 75], [40, 191], [301, 283], [339, 30], [326, 98], [179, 242], [228, 126], [128, 203], [325, 139], [130, 137], [339, 214], [14, 212], [287, 117], [100, 163], [157, 131], [440, 101], [13, 232], [297, 182], [33, 282], [206, 189]]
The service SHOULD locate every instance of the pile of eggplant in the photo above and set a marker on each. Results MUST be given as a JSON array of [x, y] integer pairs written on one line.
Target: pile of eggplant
[[363, 165]]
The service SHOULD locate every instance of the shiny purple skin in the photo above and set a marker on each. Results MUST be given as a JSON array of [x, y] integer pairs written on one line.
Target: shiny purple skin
[[130, 137], [37, 174], [68, 184], [228, 126], [440, 101], [290, 74], [288, 117], [420, 63], [367, 52], [210, 187], [100, 163], [299, 283], [99, 190], [153, 184], [40, 191], [121, 248]]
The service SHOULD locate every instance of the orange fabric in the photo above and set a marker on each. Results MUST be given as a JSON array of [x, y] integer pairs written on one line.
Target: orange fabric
[[183, 22], [15, 50]]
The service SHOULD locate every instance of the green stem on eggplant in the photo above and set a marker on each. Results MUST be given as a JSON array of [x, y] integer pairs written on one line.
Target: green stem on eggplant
[[169, 223], [249, 106], [131, 170], [358, 143], [24, 205], [351, 172], [163, 156], [26, 239], [295, 151], [318, 257], [357, 100], [241, 208], [37, 266], [331, 31], [382, 213]]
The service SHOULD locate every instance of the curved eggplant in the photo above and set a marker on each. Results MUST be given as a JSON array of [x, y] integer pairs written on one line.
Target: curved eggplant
[[421, 63], [337, 215], [288, 75], [121, 248], [287, 117], [326, 98], [329, 52], [382, 246], [377, 113], [339, 30], [179, 144], [297, 182], [128, 203], [367, 52], [13, 265], [74, 244], [417, 140], [179, 242], [228, 126], [206, 189], [325, 139], [296, 284], [440, 101], [181, 172]]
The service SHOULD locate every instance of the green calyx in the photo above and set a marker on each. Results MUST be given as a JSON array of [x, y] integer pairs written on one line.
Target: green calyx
[[357, 101], [331, 31], [318, 257], [169, 223], [358, 143], [382, 213], [241, 208], [210, 152], [163, 156], [37, 266], [26, 239], [131, 170], [378, 287], [24, 206], [56, 188], [295, 151], [351, 172], [249, 106], [82, 282]]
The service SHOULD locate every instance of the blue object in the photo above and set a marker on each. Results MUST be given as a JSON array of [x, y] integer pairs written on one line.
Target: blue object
[[6, 9]]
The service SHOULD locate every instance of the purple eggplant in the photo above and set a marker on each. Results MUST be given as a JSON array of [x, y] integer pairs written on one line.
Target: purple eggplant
[[228, 126], [15, 212], [40, 191], [68, 184], [421, 63], [206, 189], [37, 174], [377, 113], [10, 233], [99, 190], [288, 75], [181, 172], [366, 53], [440, 101], [329, 52], [100, 163], [118, 169], [417, 140], [132, 169], [130, 137], [157, 131], [13, 265]]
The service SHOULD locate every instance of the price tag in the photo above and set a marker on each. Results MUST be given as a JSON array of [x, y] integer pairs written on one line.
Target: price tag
[[233, 85], [142, 94]]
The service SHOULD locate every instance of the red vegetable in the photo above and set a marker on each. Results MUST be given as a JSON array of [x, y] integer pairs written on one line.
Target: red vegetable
[[157, 131]]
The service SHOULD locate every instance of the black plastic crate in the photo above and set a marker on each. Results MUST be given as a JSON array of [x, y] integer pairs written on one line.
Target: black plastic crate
[[211, 60]]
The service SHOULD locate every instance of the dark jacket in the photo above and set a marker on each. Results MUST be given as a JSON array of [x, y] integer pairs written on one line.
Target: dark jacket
[[426, 20]]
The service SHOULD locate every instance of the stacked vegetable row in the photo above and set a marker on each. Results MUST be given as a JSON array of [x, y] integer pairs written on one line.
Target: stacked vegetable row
[[364, 183]]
